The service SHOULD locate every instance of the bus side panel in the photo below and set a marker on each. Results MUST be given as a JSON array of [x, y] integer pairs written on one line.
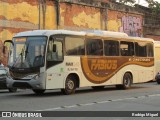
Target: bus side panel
[[110, 71], [129, 68], [139, 73], [73, 66], [55, 76], [157, 59], [111, 81], [85, 82], [145, 74]]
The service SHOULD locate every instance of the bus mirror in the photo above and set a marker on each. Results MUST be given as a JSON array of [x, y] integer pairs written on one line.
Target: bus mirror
[[4, 45], [8, 41], [4, 49], [54, 48]]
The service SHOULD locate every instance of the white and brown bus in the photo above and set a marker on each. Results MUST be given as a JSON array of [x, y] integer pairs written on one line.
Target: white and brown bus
[[66, 60], [157, 60]]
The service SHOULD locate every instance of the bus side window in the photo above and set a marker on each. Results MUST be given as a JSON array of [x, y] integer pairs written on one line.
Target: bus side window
[[127, 48], [54, 51], [111, 48], [74, 46], [50, 56], [94, 47], [150, 49], [141, 49]]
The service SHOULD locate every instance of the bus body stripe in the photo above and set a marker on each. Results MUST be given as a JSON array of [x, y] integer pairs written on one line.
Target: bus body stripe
[[100, 74]]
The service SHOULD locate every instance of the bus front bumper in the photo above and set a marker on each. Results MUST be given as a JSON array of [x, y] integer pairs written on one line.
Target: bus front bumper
[[25, 84]]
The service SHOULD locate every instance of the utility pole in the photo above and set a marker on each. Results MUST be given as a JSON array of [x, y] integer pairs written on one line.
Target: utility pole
[[39, 16]]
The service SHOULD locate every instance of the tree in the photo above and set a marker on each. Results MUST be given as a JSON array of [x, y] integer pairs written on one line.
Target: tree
[[42, 4], [154, 5], [44, 12]]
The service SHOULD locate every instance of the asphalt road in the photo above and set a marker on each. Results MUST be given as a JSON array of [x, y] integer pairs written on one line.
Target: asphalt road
[[141, 97]]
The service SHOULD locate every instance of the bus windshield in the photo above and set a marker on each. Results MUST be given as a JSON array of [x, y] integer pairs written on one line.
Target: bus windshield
[[28, 52]]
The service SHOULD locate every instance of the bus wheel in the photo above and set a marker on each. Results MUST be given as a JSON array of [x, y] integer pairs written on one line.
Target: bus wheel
[[37, 91], [70, 86], [158, 81], [158, 78], [97, 87], [127, 81]]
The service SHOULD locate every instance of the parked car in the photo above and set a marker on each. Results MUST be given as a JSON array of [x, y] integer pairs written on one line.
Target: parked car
[[158, 78], [3, 77]]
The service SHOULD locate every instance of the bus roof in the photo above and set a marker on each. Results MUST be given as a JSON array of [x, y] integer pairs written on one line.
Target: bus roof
[[141, 39], [69, 32], [48, 33], [105, 33], [100, 33]]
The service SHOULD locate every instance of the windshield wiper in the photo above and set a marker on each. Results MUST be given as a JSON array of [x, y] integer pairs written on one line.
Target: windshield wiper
[[20, 55], [28, 58]]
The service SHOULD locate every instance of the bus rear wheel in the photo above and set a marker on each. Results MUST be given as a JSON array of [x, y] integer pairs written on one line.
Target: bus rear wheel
[[127, 81], [70, 86]]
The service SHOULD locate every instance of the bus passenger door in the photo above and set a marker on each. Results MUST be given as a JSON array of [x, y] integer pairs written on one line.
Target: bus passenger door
[[54, 62]]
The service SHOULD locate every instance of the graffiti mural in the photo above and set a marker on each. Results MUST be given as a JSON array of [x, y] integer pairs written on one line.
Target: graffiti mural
[[125, 22], [131, 25]]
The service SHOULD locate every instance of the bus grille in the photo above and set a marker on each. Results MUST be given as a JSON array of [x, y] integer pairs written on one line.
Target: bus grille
[[21, 85]]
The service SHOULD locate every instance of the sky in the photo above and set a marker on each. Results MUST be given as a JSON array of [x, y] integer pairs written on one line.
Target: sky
[[144, 3]]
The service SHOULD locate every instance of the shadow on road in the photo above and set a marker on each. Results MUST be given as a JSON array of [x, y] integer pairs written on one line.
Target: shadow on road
[[88, 90]]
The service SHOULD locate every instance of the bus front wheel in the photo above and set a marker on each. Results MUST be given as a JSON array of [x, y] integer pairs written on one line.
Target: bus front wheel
[[127, 81], [70, 86]]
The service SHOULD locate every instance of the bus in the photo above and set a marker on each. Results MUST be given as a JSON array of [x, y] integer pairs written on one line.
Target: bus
[[61, 59], [157, 60]]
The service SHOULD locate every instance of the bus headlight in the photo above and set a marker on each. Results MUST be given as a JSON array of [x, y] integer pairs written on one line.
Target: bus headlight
[[36, 77]]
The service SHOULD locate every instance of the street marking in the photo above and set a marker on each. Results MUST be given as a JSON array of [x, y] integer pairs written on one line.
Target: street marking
[[141, 97], [129, 98], [99, 102], [57, 108], [72, 106], [117, 100], [87, 104], [103, 102], [154, 95]]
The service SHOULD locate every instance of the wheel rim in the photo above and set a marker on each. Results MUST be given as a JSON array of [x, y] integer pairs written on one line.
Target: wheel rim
[[70, 85], [127, 81]]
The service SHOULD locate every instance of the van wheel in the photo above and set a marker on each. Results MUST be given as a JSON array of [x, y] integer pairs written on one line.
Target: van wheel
[[37, 91], [70, 86], [127, 81]]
